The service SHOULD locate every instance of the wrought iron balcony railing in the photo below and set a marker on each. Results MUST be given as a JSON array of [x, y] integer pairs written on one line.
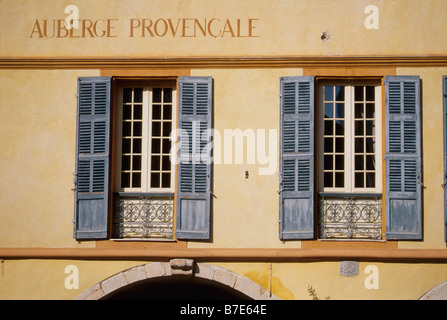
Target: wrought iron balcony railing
[[144, 216], [350, 216]]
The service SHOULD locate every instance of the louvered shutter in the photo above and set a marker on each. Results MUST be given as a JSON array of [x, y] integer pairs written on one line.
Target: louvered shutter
[[444, 89], [193, 204], [403, 158], [92, 161], [297, 158]]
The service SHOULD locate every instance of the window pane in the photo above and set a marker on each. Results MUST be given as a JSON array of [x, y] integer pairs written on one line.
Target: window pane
[[370, 145], [329, 93], [127, 112], [155, 180], [328, 181], [166, 146], [358, 93], [359, 114], [127, 95], [155, 163], [156, 95], [167, 112], [166, 165], [340, 93], [328, 127], [339, 127], [328, 145], [167, 96], [370, 128], [370, 162], [126, 129], [328, 162], [138, 95], [156, 129], [125, 163], [125, 180], [166, 180], [328, 110], [359, 147], [156, 146], [136, 146], [167, 128], [137, 129], [339, 179], [339, 145], [359, 180], [359, 130], [359, 163], [126, 146], [370, 93], [156, 112], [136, 180], [136, 163], [370, 110], [138, 112], [349, 146], [339, 110], [370, 180], [339, 162], [132, 139]]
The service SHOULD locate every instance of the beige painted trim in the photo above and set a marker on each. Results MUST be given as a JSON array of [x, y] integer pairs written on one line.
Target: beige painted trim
[[354, 71], [235, 255], [144, 73], [221, 62]]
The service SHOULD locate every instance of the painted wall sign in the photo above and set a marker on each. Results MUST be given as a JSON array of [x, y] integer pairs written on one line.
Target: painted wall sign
[[178, 28], [146, 28]]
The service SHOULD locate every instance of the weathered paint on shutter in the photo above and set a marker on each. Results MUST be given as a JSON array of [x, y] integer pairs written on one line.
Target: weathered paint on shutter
[[193, 205], [297, 158], [444, 90], [403, 158], [92, 160]]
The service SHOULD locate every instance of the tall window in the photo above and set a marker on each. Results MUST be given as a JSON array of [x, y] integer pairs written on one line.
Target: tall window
[[350, 162], [344, 118], [145, 119], [139, 116], [350, 141]]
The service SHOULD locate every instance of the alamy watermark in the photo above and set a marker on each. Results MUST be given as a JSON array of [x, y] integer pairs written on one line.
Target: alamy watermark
[[372, 280], [72, 20], [72, 280], [372, 20], [233, 146]]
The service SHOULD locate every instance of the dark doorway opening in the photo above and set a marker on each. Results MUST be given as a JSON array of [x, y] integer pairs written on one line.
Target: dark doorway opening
[[176, 288]]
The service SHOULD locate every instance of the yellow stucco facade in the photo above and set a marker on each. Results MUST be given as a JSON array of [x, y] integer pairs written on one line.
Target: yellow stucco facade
[[245, 47], [279, 28]]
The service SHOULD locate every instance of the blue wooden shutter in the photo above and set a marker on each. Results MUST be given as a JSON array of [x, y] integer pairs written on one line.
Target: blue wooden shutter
[[403, 158], [444, 89], [193, 204], [297, 158], [92, 161]]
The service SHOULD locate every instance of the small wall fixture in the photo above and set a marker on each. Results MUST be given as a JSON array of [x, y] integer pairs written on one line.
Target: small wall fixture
[[326, 36]]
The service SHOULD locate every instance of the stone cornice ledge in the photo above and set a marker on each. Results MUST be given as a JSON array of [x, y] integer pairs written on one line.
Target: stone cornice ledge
[[220, 62], [230, 254]]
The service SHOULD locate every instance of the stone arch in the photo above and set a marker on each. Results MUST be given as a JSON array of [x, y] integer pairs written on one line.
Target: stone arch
[[437, 293], [177, 268]]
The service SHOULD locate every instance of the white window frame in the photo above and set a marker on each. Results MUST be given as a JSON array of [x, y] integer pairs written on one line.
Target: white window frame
[[146, 136], [349, 151]]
